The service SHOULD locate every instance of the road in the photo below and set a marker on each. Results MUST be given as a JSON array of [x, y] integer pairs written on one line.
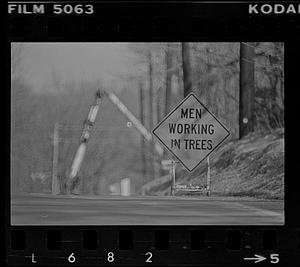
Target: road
[[116, 210]]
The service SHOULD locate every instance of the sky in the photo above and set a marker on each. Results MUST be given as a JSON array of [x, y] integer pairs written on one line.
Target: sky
[[74, 61]]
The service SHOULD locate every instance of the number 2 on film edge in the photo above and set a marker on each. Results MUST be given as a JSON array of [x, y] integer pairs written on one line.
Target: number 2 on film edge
[[149, 254]]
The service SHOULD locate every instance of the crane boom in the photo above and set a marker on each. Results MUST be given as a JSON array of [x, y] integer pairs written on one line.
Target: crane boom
[[138, 125], [79, 155]]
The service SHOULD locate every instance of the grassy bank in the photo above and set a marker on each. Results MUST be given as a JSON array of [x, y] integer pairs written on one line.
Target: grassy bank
[[250, 167]]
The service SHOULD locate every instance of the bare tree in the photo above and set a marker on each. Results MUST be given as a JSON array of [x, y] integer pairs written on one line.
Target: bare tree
[[150, 98], [158, 105], [168, 79], [275, 74], [142, 118], [187, 69], [16, 60]]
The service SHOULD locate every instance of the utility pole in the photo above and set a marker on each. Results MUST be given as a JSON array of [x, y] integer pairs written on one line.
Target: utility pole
[[142, 119], [247, 88], [186, 68], [55, 188]]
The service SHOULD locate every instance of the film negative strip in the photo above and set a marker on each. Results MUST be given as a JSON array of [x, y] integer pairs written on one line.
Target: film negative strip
[[151, 133]]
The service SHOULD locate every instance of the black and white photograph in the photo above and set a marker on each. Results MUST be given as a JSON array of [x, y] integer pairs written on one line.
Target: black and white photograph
[[178, 133]]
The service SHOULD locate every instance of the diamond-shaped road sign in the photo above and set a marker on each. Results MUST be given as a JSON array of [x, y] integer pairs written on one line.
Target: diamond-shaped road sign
[[191, 132]]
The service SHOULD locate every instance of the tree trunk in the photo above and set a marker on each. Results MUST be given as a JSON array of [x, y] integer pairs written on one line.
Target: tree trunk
[[159, 113], [143, 122], [187, 69], [151, 152], [168, 80], [247, 88], [158, 105]]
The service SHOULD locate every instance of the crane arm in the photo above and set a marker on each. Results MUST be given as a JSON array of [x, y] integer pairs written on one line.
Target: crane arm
[[79, 155], [138, 125]]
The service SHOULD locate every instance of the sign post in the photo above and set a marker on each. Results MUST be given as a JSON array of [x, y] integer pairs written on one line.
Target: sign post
[[191, 133], [173, 174], [208, 178]]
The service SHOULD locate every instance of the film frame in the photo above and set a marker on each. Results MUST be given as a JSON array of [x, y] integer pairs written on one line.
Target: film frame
[[167, 245]]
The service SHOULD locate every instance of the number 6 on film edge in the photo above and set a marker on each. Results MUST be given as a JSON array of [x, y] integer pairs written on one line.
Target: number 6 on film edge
[[71, 258]]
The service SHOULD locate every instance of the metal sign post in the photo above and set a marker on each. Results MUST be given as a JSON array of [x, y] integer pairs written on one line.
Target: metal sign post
[[173, 173], [208, 177]]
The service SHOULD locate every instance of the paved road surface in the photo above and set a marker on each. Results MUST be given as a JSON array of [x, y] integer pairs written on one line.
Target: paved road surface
[[115, 210]]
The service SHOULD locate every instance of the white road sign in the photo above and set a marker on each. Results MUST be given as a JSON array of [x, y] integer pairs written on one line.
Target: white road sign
[[191, 132]]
